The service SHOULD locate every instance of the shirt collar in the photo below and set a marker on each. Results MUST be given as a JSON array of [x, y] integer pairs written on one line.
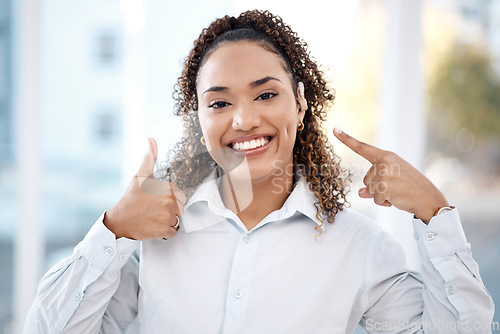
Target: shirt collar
[[301, 199]]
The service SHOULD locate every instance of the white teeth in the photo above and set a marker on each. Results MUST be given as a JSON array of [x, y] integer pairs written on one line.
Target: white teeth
[[249, 145]]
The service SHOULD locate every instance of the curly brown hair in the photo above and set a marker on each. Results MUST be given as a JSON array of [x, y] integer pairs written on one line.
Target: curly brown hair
[[189, 162]]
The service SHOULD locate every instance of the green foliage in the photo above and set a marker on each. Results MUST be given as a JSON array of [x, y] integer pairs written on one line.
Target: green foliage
[[464, 93]]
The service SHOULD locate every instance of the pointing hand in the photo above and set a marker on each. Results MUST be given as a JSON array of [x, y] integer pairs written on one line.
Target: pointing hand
[[393, 181]]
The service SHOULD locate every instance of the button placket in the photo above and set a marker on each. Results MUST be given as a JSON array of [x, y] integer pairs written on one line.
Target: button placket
[[238, 288]]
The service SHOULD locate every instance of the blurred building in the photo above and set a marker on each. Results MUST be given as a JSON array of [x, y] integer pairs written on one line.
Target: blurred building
[[81, 111], [81, 127]]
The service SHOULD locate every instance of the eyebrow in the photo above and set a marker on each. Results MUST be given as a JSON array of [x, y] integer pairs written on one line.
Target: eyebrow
[[253, 84], [263, 81]]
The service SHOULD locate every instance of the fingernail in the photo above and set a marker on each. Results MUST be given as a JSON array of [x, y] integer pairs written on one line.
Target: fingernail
[[337, 131]]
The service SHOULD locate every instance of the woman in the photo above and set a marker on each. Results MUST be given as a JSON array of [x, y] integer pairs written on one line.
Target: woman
[[265, 243]]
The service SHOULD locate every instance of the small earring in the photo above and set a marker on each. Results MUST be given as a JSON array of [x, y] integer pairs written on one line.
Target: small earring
[[202, 140], [300, 127]]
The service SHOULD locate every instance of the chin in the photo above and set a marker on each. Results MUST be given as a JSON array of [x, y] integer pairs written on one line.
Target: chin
[[255, 173]]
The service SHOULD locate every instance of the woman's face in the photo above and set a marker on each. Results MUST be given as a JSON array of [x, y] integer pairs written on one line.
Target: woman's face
[[247, 110]]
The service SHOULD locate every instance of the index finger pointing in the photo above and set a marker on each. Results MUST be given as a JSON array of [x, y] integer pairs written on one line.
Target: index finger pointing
[[367, 151]]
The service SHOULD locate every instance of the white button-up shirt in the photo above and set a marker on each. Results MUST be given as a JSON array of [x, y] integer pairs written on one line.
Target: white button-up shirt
[[215, 276]]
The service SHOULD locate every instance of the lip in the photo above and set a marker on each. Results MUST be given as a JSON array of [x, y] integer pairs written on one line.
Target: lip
[[252, 152]]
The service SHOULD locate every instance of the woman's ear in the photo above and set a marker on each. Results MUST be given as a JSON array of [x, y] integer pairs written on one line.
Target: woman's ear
[[301, 97]]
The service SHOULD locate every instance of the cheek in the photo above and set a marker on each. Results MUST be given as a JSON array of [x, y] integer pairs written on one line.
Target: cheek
[[212, 128], [290, 136], [208, 127], [288, 125], [207, 130]]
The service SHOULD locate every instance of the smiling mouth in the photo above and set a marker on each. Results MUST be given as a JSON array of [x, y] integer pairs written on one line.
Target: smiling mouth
[[250, 144]]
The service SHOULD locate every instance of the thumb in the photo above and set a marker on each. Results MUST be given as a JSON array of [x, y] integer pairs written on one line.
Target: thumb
[[148, 164]]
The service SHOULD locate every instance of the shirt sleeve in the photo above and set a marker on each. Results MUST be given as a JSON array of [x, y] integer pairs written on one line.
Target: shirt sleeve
[[446, 296], [94, 290], [452, 284]]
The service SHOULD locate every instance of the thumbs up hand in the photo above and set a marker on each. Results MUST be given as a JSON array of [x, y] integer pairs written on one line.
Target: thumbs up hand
[[393, 181], [150, 208]]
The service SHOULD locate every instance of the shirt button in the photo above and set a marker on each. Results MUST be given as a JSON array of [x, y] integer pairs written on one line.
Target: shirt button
[[415, 235], [122, 257], [430, 236], [247, 239], [77, 297], [108, 251], [451, 290], [238, 294]]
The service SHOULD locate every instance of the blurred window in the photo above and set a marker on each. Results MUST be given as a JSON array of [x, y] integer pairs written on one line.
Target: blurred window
[[106, 48], [106, 125]]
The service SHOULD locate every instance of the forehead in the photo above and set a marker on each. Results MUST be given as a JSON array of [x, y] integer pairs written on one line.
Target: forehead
[[240, 62]]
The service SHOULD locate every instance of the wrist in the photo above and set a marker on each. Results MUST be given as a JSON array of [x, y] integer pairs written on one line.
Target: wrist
[[438, 210], [110, 222], [431, 206]]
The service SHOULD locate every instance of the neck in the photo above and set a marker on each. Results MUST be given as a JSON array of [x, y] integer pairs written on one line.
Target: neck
[[252, 200]]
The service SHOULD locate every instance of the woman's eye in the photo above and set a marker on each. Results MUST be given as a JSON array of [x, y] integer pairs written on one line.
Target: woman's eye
[[218, 104], [266, 96]]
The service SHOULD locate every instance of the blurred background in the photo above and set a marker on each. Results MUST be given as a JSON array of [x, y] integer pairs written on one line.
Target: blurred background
[[84, 83]]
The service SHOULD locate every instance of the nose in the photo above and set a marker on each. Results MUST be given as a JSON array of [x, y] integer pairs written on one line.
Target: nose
[[246, 118]]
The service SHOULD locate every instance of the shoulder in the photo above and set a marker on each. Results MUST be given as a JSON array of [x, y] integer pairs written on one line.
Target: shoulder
[[354, 228], [351, 221], [364, 237]]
